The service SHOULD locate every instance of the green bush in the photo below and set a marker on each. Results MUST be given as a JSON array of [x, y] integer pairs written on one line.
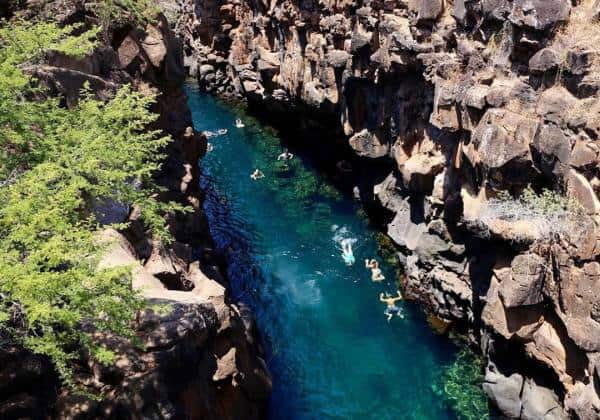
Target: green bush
[[54, 162], [460, 387], [122, 11]]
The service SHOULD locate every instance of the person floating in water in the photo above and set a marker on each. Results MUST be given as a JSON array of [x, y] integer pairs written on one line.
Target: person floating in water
[[390, 301], [347, 254], [257, 174], [209, 147], [239, 123], [376, 274], [285, 156]]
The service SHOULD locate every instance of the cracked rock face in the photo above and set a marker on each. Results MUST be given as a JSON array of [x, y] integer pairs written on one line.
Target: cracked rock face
[[455, 102]]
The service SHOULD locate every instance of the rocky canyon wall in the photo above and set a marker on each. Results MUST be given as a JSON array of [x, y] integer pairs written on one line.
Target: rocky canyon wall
[[449, 113], [199, 356]]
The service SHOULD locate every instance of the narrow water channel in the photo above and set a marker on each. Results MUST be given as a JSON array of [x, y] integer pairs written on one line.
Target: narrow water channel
[[330, 348]]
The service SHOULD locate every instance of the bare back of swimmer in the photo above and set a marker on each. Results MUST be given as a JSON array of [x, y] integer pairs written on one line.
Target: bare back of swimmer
[[376, 274], [257, 174], [285, 155], [347, 254]]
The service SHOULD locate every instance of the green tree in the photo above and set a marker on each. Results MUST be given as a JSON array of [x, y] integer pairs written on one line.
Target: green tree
[[54, 164]]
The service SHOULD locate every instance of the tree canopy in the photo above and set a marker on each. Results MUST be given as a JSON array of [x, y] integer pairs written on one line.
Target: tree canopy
[[54, 164]]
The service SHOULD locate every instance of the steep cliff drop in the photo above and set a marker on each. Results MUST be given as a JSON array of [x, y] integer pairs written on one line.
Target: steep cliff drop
[[472, 126], [331, 348], [199, 357]]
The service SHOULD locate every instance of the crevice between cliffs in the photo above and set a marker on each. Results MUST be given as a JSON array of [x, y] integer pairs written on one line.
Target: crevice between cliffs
[[195, 355], [449, 121]]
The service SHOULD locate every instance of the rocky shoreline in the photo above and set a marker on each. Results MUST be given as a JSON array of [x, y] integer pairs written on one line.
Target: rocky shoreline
[[443, 110], [200, 356]]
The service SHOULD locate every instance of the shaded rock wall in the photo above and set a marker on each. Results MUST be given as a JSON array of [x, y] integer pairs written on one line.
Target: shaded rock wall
[[200, 357], [441, 105]]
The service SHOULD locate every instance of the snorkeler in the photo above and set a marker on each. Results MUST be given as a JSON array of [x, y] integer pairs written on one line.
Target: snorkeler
[[347, 254], [390, 301], [376, 274], [239, 123], [285, 155], [257, 174]]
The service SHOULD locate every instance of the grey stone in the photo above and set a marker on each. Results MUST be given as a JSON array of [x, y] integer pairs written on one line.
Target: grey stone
[[540, 403], [539, 14], [504, 391]]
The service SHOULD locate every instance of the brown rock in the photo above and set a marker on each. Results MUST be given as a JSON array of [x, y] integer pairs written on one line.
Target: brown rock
[[555, 104], [524, 285], [544, 60], [580, 189], [502, 137], [539, 14], [154, 45], [429, 9], [368, 144]]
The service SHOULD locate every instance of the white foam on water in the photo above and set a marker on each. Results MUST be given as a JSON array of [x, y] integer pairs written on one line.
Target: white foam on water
[[342, 235]]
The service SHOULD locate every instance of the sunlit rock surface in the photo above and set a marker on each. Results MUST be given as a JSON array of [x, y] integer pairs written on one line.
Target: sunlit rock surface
[[463, 100]]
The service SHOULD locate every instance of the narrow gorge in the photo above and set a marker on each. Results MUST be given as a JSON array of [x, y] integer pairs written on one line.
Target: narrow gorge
[[454, 141], [468, 129]]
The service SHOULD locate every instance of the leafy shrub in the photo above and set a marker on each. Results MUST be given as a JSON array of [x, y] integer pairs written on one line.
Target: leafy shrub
[[23, 122], [53, 163], [460, 386], [122, 11]]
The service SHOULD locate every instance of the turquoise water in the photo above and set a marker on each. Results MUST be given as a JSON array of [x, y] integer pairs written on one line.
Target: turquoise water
[[330, 349]]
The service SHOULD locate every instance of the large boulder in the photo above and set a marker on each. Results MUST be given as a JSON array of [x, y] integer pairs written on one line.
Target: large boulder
[[540, 403], [429, 9], [523, 286], [500, 145], [504, 391], [368, 144], [539, 14]]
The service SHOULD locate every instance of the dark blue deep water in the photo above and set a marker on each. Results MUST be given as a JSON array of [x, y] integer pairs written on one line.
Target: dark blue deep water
[[330, 349]]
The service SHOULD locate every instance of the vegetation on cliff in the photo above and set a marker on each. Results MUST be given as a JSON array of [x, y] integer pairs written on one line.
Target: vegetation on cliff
[[111, 11], [460, 386], [58, 167]]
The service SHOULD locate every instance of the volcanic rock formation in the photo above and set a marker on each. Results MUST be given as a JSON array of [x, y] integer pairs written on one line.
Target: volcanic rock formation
[[199, 356], [448, 110]]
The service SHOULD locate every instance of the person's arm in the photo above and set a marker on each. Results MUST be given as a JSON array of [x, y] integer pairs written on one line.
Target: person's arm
[[291, 156], [381, 299]]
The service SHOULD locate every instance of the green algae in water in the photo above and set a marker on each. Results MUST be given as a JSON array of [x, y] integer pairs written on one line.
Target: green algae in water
[[460, 386]]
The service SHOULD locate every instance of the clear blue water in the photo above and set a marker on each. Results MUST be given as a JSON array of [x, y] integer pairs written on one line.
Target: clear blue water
[[330, 349]]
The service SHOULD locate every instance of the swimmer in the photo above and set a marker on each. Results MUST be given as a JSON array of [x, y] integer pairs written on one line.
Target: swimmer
[[257, 174], [285, 155], [239, 123], [376, 274], [222, 131], [390, 301], [209, 147], [347, 254]]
